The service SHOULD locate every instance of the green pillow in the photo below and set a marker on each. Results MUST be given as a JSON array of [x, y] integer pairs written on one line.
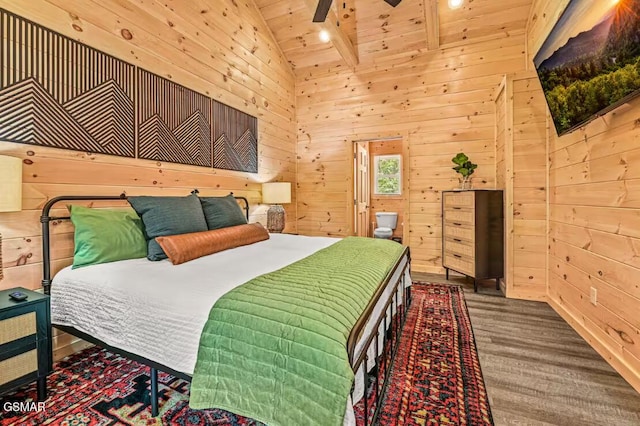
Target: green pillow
[[106, 236], [164, 216], [222, 212]]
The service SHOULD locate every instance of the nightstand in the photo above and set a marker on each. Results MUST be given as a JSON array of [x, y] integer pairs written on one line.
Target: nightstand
[[25, 341]]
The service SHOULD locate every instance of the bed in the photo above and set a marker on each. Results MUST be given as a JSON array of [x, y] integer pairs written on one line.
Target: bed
[[154, 322]]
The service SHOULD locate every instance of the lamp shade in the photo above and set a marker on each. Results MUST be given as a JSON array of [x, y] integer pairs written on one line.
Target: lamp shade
[[276, 193], [10, 184]]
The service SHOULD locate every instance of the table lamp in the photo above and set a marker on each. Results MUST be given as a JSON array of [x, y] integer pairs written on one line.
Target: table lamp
[[276, 194], [10, 189]]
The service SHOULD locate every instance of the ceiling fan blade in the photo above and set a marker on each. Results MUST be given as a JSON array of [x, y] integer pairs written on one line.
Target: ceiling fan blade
[[322, 10], [393, 3]]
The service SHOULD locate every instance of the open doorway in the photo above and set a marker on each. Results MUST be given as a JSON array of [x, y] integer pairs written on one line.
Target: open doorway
[[379, 188]]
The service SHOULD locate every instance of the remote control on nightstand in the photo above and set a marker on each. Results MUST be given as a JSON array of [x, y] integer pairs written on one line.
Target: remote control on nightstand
[[18, 296]]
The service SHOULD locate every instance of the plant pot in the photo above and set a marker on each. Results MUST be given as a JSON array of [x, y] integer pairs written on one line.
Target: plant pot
[[465, 183]]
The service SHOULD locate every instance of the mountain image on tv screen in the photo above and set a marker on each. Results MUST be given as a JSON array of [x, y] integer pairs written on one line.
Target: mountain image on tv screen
[[590, 62]]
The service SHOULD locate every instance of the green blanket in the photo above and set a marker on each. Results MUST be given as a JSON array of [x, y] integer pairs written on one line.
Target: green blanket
[[274, 348]]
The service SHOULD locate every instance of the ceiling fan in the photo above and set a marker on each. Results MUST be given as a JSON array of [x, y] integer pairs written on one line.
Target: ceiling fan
[[324, 5]]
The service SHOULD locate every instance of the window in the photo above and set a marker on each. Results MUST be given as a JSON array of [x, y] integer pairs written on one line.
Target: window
[[387, 174]]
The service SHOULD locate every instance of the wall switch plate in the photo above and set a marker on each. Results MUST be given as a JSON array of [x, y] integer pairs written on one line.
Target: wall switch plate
[[594, 296]]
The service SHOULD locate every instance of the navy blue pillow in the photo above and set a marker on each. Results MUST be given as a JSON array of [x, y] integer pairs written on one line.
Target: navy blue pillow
[[164, 216], [222, 212]]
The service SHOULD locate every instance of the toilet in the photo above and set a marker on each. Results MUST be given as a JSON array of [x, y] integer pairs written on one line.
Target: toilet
[[386, 222]]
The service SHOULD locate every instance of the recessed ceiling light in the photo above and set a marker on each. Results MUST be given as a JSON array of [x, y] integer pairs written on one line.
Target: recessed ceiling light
[[454, 4], [324, 36]]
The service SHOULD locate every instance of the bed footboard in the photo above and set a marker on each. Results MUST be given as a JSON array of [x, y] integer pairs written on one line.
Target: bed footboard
[[388, 324]]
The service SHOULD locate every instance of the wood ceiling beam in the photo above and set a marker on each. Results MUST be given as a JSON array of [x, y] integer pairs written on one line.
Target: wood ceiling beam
[[432, 23], [338, 37]]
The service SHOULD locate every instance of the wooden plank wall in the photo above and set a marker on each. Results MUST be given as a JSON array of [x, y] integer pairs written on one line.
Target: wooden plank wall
[[594, 221], [521, 170], [480, 20], [386, 203], [442, 101], [225, 51], [529, 189], [504, 171]]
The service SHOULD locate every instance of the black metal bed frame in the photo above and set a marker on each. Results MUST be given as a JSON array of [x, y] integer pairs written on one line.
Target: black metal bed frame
[[391, 331], [390, 336]]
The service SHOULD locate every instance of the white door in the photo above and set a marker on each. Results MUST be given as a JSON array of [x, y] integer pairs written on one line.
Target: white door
[[362, 192]]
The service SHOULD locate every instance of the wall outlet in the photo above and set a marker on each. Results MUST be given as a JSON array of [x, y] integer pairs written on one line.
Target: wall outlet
[[594, 296]]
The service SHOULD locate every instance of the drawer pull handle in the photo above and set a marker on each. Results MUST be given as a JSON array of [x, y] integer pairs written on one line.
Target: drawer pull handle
[[457, 224], [458, 240], [458, 256], [457, 208]]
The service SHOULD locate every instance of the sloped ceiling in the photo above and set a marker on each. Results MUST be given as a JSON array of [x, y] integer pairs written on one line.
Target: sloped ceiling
[[376, 30]]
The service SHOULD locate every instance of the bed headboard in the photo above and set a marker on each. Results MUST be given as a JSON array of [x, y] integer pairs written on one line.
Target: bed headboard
[[46, 219]]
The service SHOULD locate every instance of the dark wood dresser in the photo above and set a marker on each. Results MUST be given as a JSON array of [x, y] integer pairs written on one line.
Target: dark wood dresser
[[473, 234]]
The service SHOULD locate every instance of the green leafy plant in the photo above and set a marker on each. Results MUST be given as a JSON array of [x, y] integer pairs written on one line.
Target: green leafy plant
[[464, 166]]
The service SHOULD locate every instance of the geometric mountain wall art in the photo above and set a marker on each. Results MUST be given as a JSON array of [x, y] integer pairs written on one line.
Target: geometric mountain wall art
[[235, 146], [57, 92], [174, 122]]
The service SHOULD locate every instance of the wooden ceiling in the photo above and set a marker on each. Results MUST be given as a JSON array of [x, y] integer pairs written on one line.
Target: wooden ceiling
[[364, 31]]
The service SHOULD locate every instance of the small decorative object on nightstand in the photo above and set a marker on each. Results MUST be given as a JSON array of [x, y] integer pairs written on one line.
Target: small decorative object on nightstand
[[25, 341], [276, 194]]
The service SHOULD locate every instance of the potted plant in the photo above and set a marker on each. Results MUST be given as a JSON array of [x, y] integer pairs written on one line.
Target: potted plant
[[465, 167]]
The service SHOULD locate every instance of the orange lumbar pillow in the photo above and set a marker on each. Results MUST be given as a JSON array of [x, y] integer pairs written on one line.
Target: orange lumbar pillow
[[185, 247]]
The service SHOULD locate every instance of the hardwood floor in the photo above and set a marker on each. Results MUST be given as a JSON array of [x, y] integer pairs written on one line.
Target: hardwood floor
[[537, 369]]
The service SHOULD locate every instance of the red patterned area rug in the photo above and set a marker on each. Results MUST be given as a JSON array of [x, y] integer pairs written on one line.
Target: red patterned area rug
[[435, 380], [436, 377]]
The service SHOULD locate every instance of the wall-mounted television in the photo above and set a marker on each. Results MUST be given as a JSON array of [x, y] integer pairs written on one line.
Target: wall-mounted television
[[590, 62]]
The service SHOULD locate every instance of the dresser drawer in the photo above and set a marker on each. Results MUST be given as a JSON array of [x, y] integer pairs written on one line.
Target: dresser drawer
[[459, 246], [459, 231], [17, 327], [466, 217], [459, 199], [459, 263], [18, 366]]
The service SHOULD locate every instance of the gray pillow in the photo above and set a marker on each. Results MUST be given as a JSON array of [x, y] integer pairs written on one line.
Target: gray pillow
[[164, 216], [222, 212]]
